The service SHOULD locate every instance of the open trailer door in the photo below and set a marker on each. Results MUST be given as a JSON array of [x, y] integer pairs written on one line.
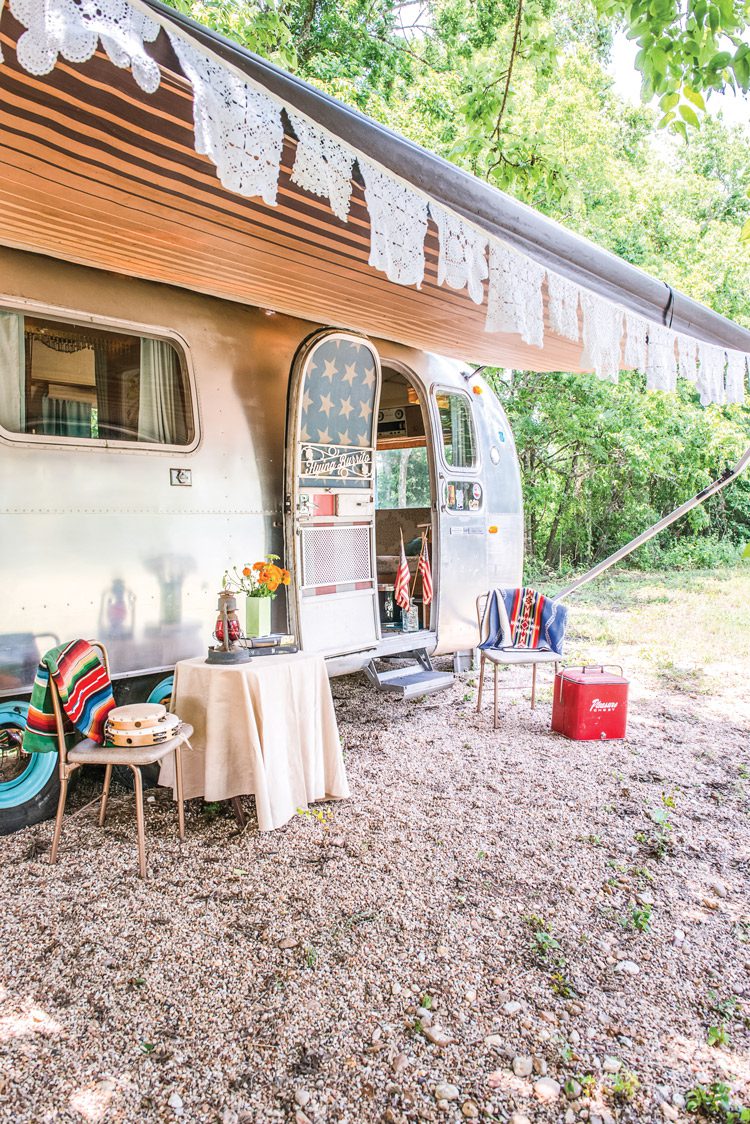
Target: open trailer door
[[330, 522]]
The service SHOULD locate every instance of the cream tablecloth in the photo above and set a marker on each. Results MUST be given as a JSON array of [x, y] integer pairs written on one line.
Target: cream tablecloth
[[265, 727]]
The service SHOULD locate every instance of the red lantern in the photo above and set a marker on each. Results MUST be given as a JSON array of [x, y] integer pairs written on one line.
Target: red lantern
[[227, 612]]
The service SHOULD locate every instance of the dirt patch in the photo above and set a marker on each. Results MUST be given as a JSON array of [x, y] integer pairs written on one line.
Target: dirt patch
[[496, 922]]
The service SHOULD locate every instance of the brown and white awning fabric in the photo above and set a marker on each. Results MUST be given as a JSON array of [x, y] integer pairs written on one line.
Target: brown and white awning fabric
[[326, 222]]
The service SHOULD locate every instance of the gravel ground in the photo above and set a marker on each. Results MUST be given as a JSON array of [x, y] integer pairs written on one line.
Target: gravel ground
[[503, 925]]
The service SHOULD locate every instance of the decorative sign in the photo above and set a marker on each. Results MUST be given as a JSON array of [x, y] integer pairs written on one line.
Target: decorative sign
[[336, 462]]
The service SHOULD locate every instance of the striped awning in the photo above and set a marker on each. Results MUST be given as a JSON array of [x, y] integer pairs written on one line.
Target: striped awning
[[129, 172]]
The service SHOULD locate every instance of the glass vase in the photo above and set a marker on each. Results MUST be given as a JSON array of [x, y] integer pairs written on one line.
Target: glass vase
[[257, 616]]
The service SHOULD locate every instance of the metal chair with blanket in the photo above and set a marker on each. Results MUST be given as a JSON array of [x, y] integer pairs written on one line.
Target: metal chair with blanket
[[534, 636], [90, 752]]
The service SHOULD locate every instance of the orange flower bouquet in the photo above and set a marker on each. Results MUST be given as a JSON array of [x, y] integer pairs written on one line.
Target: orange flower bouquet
[[261, 579]]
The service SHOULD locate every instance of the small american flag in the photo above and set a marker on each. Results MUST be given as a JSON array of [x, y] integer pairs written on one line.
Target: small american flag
[[423, 569], [401, 585]]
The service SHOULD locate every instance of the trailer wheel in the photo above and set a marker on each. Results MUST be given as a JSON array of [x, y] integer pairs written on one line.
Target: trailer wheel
[[161, 693], [28, 794]]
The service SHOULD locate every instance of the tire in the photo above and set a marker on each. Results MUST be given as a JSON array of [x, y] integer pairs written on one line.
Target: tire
[[32, 796], [161, 693]]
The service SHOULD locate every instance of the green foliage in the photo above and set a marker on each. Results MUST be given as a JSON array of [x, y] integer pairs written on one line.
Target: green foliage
[[600, 463], [640, 918], [714, 1102], [624, 1086]]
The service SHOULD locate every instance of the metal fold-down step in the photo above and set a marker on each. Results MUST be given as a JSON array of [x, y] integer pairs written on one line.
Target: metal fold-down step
[[410, 682]]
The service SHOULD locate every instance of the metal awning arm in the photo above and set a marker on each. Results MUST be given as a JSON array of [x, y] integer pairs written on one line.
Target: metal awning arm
[[711, 490]]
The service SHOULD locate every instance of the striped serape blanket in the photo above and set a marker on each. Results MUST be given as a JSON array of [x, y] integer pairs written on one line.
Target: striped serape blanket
[[85, 693], [523, 618]]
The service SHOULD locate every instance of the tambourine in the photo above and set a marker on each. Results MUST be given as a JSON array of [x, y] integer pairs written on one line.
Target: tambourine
[[140, 724]]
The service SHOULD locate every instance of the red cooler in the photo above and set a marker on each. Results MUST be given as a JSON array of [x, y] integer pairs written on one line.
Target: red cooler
[[590, 704]]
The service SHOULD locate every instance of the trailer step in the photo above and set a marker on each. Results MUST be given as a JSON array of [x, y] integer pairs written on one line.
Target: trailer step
[[410, 682]]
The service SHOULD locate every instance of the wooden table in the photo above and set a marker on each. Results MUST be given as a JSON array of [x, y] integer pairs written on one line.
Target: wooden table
[[265, 728]]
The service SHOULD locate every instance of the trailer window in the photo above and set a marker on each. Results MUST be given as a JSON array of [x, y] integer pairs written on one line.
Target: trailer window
[[459, 439], [402, 478], [89, 383]]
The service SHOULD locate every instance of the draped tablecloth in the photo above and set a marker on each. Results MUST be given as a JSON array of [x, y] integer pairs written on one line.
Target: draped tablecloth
[[266, 727]]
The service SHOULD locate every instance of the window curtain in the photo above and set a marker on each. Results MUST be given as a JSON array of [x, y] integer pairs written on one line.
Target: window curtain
[[12, 368], [62, 417], [461, 432], [161, 407]]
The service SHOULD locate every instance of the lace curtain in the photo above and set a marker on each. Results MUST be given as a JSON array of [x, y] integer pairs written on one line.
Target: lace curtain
[[322, 165], [602, 335], [564, 298], [161, 407], [462, 261]]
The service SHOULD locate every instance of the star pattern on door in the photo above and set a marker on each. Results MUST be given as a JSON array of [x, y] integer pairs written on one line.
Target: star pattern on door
[[339, 395]]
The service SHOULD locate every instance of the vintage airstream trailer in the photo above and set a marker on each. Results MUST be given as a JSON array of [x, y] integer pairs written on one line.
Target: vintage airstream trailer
[[233, 319]]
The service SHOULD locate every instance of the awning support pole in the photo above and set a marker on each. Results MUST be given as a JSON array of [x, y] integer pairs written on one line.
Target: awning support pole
[[711, 490]]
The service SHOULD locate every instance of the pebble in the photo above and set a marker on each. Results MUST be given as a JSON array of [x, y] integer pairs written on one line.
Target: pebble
[[573, 1089], [519, 1118], [399, 1063], [522, 1065], [629, 967], [176, 1104], [288, 942], [669, 1112], [611, 1065], [719, 888], [710, 903], [570, 1116], [513, 1007], [438, 1036], [302, 1097], [546, 1089], [470, 1109], [679, 936], [446, 1092], [494, 1040], [496, 1079], [540, 1066], [678, 1100]]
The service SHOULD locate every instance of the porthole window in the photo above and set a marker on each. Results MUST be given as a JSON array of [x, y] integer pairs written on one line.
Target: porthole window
[[90, 383]]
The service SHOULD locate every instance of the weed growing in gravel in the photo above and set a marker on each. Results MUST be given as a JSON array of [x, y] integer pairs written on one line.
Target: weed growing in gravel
[[714, 1102], [624, 1086], [718, 1035], [324, 816], [545, 941], [547, 948], [639, 918], [311, 956], [658, 840]]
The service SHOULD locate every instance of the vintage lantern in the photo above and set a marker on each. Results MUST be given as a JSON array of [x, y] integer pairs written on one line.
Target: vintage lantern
[[227, 632]]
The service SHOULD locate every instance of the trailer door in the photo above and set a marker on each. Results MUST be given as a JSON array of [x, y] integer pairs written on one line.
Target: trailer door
[[330, 494]]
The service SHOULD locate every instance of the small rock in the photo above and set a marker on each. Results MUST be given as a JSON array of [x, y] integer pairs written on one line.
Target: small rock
[[442, 950], [570, 1116], [513, 1007], [669, 1112], [679, 936], [438, 1036], [540, 1066], [396, 988], [546, 1089], [399, 1063], [288, 942], [611, 1065], [300, 1117], [710, 903], [496, 1079], [176, 1104], [678, 1100], [522, 1065], [519, 1118], [629, 967], [446, 1092], [302, 1096], [719, 888], [494, 1041], [470, 995], [470, 1109], [573, 1089]]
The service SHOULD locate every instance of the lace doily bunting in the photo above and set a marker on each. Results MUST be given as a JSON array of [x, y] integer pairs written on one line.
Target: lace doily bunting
[[514, 300], [237, 125]]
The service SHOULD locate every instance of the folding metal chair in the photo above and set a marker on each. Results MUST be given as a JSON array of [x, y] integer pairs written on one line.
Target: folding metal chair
[[508, 656], [88, 752]]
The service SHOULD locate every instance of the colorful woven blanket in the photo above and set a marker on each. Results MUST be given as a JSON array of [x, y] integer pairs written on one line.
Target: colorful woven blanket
[[523, 618], [85, 693]]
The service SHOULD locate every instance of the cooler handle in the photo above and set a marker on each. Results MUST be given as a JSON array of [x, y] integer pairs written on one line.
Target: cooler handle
[[585, 667]]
